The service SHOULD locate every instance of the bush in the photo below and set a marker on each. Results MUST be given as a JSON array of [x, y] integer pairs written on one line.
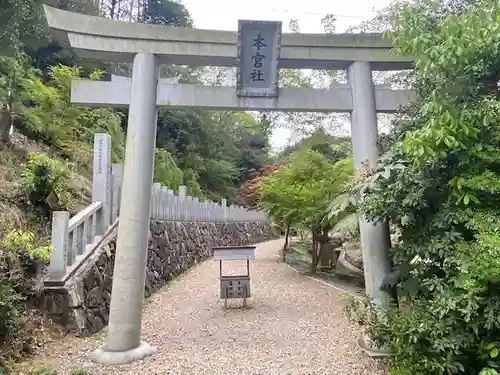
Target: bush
[[70, 130], [23, 242], [440, 186], [42, 176], [10, 303], [20, 259]]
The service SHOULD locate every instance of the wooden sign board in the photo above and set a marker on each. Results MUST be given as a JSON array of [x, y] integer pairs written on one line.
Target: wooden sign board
[[234, 253], [53, 201], [258, 54]]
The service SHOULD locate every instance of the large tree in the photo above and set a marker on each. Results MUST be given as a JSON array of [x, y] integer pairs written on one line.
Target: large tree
[[299, 193]]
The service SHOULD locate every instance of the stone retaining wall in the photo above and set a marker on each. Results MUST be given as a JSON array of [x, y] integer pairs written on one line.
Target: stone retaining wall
[[82, 305]]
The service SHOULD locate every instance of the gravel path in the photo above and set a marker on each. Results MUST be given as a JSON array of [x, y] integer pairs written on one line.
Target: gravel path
[[293, 326]]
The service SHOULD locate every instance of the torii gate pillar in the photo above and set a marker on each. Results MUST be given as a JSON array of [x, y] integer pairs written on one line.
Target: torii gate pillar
[[124, 330], [364, 135], [375, 240]]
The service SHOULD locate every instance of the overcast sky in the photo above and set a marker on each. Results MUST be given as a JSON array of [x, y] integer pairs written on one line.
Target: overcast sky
[[224, 15]]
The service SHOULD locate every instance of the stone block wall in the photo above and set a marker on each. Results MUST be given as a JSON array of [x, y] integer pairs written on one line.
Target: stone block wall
[[82, 305]]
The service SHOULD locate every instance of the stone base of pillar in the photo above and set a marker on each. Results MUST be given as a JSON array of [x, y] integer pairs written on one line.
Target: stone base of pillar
[[369, 348], [107, 357]]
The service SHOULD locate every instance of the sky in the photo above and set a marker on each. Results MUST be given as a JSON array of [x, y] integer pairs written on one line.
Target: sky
[[224, 15]]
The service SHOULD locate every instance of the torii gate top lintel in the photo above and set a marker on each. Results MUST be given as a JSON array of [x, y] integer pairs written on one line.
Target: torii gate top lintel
[[103, 39]]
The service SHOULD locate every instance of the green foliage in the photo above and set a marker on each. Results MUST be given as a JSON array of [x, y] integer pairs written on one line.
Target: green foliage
[[488, 371], [343, 209], [16, 245], [166, 171], [46, 114], [20, 242], [21, 255], [14, 76], [166, 12], [43, 175], [299, 194], [9, 309], [331, 147], [68, 129], [439, 184], [169, 174], [17, 16], [217, 149], [43, 371]]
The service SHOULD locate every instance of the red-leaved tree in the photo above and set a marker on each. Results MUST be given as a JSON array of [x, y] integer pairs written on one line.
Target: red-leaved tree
[[249, 192]]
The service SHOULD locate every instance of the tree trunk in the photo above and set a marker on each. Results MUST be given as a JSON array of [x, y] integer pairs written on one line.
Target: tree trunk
[[321, 237], [285, 246], [315, 251], [112, 9], [324, 254], [5, 123]]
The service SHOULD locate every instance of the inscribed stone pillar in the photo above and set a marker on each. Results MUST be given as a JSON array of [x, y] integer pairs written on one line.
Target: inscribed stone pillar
[[101, 180], [124, 329]]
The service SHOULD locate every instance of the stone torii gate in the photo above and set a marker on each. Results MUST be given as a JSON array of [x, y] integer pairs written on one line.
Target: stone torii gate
[[259, 50]]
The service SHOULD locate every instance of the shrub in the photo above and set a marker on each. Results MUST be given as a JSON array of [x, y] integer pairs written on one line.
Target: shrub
[[10, 302], [70, 130], [43, 175], [439, 185], [23, 242]]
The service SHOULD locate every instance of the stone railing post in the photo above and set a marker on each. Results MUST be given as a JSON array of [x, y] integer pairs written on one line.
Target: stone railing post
[[116, 188], [183, 202], [203, 205], [177, 206], [209, 211], [170, 204], [156, 201], [194, 209], [101, 180], [199, 209], [59, 241], [224, 209], [164, 203], [189, 208], [215, 211]]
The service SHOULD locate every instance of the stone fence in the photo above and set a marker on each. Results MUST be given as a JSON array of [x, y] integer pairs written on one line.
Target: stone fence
[[82, 303], [75, 238]]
